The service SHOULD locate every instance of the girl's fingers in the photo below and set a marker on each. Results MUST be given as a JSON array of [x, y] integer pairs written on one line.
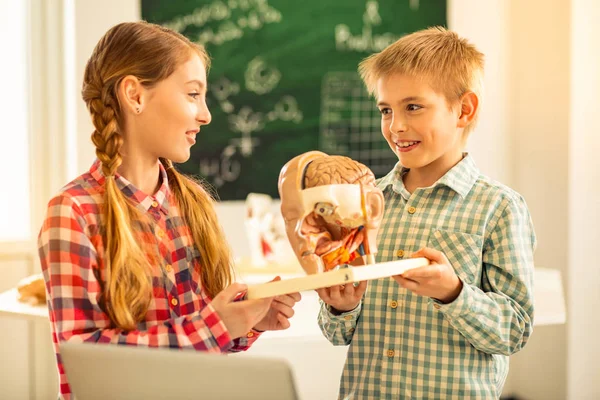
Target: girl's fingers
[[283, 309], [283, 321]]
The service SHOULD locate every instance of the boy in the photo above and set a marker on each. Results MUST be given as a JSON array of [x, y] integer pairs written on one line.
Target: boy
[[446, 330]]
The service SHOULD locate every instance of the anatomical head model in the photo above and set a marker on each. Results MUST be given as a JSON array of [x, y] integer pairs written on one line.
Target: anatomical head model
[[331, 208]]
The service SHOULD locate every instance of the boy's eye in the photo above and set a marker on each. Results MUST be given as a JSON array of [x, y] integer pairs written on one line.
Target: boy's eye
[[413, 107], [385, 111], [194, 95]]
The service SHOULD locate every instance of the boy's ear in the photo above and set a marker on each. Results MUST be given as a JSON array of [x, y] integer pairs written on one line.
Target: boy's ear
[[469, 103], [131, 95], [375, 207]]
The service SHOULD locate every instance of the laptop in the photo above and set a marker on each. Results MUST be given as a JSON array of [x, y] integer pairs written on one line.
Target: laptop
[[107, 371]]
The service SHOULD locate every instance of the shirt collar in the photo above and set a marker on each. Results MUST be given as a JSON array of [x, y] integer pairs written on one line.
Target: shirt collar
[[459, 178], [144, 202]]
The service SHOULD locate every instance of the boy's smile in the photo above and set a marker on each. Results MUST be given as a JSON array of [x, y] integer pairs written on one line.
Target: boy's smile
[[420, 126]]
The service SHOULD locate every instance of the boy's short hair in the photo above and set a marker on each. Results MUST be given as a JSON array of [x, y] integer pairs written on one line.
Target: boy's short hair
[[450, 63]]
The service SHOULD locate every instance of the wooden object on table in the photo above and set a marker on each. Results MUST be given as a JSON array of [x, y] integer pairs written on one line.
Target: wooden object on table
[[32, 290]]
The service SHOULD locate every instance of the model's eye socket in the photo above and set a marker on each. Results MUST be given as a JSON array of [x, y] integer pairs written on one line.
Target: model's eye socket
[[324, 209]]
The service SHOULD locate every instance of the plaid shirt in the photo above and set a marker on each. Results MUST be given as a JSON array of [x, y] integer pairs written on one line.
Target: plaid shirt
[[71, 252], [404, 346]]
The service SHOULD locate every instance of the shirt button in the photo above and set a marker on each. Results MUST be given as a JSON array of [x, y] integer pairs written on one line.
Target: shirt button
[[168, 268], [174, 302], [393, 304], [348, 317], [160, 234], [390, 353], [412, 210], [400, 253], [250, 334], [155, 204]]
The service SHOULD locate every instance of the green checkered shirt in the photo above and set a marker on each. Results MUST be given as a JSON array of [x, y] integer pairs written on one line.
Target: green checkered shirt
[[404, 346]]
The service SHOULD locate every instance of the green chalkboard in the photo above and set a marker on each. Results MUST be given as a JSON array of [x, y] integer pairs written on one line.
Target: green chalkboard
[[283, 81]]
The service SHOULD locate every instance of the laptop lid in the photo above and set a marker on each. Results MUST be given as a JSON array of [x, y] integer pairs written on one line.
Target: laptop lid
[[107, 371]]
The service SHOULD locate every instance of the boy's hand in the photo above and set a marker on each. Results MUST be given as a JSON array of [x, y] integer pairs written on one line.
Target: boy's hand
[[343, 298], [281, 310], [437, 280]]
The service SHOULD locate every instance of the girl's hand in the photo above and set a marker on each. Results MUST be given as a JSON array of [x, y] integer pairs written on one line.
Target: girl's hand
[[281, 310], [239, 316]]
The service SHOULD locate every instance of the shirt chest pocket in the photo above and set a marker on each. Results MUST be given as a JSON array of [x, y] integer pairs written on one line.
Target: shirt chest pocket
[[463, 250]]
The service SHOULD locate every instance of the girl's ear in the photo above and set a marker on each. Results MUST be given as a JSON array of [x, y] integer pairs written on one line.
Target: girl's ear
[[469, 103], [131, 95]]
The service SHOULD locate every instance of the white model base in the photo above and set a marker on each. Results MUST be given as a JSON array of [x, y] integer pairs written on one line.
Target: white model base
[[340, 276]]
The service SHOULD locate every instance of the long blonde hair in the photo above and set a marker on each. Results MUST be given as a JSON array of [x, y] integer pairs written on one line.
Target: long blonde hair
[[450, 63], [151, 53]]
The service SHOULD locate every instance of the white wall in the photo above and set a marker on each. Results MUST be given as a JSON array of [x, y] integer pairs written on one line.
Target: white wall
[[486, 24], [92, 20], [584, 203], [539, 127]]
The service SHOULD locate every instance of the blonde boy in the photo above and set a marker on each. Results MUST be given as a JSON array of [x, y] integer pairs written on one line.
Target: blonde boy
[[444, 331]]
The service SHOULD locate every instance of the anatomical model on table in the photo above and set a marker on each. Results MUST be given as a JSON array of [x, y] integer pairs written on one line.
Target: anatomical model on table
[[332, 210]]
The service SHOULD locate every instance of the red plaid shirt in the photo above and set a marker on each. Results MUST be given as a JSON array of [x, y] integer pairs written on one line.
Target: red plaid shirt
[[71, 253]]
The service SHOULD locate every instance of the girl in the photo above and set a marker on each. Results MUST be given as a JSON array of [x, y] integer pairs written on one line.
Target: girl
[[131, 251]]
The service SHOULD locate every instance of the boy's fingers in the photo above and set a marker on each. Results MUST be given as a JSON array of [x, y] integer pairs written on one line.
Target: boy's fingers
[[431, 254], [334, 293], [360, 289], [406, 283], [426, 272], [349, 290], [322, 292]]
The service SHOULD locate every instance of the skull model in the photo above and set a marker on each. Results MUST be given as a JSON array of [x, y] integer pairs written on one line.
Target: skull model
[[331, 208]]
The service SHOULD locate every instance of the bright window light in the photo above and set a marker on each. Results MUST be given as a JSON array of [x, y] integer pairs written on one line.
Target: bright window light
[[14, 130]]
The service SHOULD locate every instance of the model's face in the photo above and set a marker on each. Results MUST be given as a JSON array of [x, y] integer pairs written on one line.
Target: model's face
[[327, 223]]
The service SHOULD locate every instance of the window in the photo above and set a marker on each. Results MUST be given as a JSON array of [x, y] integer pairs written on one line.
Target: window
[[14, 129]]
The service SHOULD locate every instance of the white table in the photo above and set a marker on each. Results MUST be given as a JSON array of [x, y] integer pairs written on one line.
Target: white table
[[303, 340], [10, 306]]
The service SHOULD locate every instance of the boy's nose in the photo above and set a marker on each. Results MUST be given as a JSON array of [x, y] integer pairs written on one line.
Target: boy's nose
[[397, 125]]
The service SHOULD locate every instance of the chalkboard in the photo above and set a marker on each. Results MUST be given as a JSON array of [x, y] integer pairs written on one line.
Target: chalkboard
[[284, 81]]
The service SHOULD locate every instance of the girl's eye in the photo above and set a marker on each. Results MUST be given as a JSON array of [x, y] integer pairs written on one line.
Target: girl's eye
[[385, 111], [413, 107], [194, 95]]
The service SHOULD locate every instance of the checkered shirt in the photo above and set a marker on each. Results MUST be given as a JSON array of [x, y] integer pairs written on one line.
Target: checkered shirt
[[71, 252], [404, 346]]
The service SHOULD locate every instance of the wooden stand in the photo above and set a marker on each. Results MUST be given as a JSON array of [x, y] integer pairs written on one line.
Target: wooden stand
[[340, 276]]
